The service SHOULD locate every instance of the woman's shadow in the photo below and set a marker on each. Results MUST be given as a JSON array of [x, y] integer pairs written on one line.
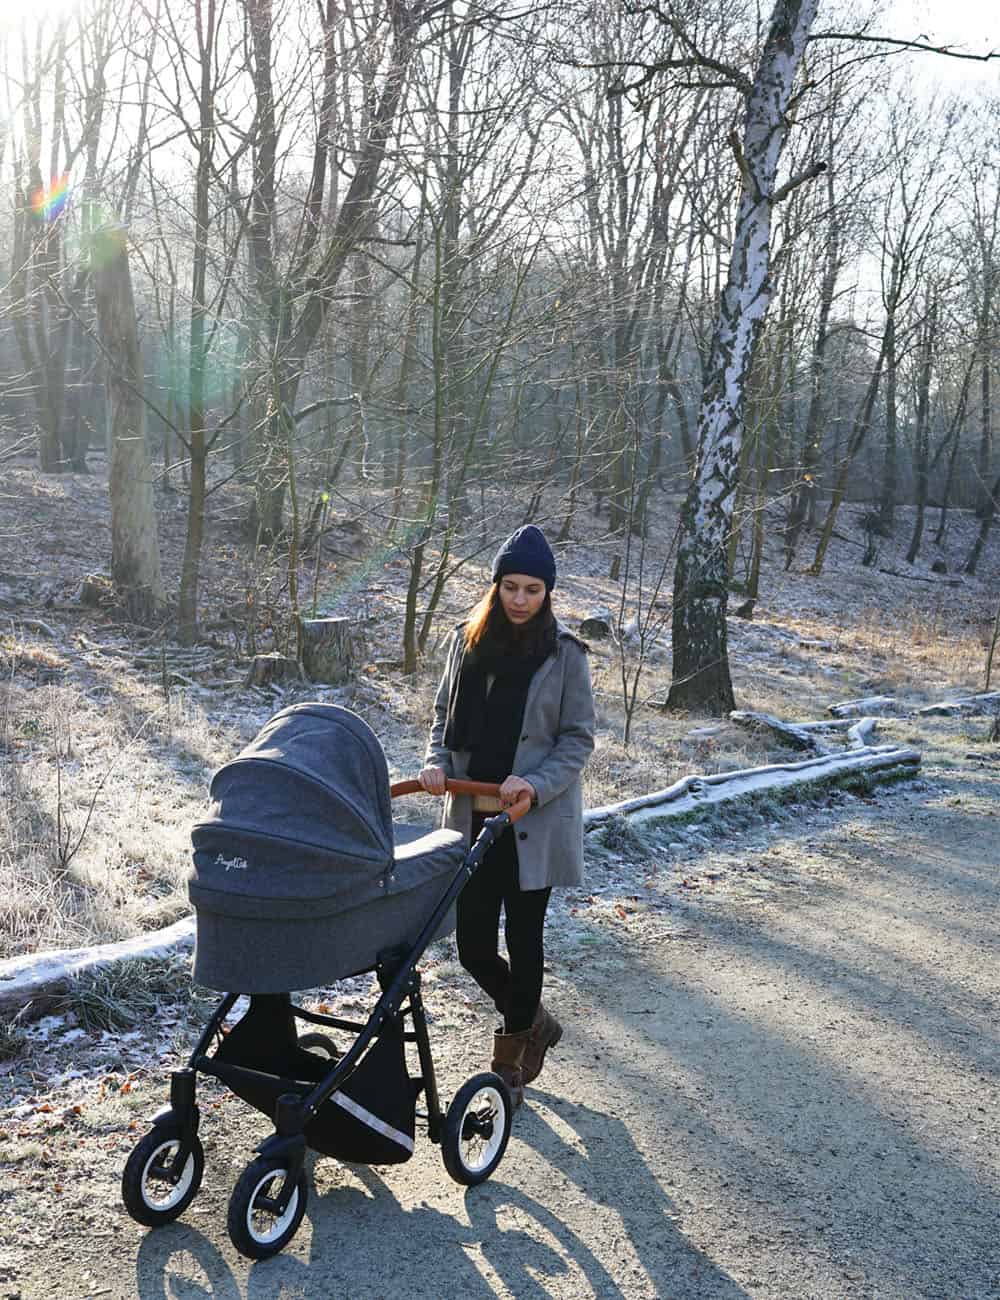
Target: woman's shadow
[[595, 1153], [515, 1237]]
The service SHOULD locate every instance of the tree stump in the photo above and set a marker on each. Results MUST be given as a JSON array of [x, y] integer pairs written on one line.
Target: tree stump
[[96, 591], [266, 669], [329, 651]]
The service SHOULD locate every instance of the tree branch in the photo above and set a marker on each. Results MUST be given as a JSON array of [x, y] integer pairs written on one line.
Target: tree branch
[[918, 44], [728, 76], [313, 407], [793, 183]]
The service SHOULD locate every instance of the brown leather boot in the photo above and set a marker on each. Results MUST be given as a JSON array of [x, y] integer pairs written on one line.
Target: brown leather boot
[[545, 1032], [508, 1053]]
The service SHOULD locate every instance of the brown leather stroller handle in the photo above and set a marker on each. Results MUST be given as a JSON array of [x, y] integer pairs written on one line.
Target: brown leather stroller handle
[[515, 812]]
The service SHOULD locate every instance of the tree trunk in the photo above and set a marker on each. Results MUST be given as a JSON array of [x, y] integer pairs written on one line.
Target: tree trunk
[[952, 438], [701, 679], [187, 604], [804, 502], [135, 552], [986, 504], [862, 423], [989, 512], [407, 366], [921, 452], [890, 467], [76, 430]]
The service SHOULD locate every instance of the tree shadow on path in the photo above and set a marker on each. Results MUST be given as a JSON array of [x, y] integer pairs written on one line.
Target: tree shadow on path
[[366, 1244]]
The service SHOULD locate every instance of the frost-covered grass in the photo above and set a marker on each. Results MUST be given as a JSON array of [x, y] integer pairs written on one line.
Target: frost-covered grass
[[130, 993], [97, 792]]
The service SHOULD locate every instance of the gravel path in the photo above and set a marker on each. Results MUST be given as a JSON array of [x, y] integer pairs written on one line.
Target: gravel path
[[779, 1079]]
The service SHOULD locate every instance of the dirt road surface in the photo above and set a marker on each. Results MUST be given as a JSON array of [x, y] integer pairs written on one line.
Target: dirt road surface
[[779, 1080]]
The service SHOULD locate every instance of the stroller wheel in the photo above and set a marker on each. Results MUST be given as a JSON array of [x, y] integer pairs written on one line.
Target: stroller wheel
[[320, 1043], [476, 1129], [155, 1190], [258, 1227]]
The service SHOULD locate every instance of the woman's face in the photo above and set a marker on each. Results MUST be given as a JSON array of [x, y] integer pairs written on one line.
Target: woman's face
[[521, 597]]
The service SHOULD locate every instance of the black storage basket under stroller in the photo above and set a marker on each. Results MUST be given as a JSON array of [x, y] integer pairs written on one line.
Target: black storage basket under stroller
[[370, 1120]]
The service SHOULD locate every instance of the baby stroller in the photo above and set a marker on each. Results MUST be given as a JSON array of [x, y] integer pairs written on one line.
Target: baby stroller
[[301, 879]]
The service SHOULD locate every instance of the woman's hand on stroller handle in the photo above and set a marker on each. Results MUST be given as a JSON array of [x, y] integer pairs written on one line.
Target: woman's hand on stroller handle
[[433, 780], [515, 788], [522, 793]]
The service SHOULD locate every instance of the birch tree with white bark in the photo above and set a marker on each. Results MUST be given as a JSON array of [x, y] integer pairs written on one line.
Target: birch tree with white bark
[[701, 679]]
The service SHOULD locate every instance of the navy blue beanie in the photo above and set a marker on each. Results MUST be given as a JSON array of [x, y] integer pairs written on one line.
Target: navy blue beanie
[[526, 551]]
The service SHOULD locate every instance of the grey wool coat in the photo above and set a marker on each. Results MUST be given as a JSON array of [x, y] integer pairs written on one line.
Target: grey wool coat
[[557, 737]]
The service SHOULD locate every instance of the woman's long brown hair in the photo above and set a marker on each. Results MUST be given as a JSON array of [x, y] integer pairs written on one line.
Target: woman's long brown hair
[[488, 621]]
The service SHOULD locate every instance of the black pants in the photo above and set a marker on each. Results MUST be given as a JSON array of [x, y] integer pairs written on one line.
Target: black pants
[[515, 989]]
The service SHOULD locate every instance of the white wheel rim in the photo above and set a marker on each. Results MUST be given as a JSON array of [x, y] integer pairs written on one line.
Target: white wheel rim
[[476, 1153], [173, 1193], [279, 1225]]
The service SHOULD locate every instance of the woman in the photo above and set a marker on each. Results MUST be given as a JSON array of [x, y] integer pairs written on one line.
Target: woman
[[515, 707]]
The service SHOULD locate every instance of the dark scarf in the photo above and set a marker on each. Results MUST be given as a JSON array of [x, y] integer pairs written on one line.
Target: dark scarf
[[489, 724]]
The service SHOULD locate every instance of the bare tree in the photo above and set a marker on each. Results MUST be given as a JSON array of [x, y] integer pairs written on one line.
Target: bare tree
[[135, 552], [910, 215], [926, 345], [701, 678], [911, 209]]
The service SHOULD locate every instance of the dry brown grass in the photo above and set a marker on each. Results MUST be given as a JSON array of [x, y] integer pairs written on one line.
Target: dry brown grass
[[21, 655], [96, 795], [908, 649]]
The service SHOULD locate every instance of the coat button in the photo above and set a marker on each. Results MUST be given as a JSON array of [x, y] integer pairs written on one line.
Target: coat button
[[522, 835]]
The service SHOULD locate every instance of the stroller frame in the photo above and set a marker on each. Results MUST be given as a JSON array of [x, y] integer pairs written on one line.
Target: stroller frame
[[401, 997]]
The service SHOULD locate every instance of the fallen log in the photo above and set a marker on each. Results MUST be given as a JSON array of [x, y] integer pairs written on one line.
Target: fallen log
[[968, 706], [29, 982], [852, 708], [922, 577], [693, 792], [788, 733]]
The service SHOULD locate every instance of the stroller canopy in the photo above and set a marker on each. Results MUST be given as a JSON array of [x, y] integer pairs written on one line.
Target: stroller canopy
[[307, 804], [299, 832]]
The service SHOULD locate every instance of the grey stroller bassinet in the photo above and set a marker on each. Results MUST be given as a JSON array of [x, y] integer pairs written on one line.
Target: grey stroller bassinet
[[298, 879]]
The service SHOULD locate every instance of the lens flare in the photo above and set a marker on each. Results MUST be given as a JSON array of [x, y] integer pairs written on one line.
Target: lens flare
[[48, 201]]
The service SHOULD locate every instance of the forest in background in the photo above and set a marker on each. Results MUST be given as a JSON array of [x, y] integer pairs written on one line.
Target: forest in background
[[395, 251]]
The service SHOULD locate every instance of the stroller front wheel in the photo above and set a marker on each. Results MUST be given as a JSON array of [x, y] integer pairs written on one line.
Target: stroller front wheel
[[476, 1129], [155, 1189], [258, 1226]]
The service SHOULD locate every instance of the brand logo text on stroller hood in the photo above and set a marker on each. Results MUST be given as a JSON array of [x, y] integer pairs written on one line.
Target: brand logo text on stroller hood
[[231, 864]]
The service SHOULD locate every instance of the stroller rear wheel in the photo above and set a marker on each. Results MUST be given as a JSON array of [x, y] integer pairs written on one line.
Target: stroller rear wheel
[[258, 1226], [155, 1188], [320, 1043], [476, 1129]]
